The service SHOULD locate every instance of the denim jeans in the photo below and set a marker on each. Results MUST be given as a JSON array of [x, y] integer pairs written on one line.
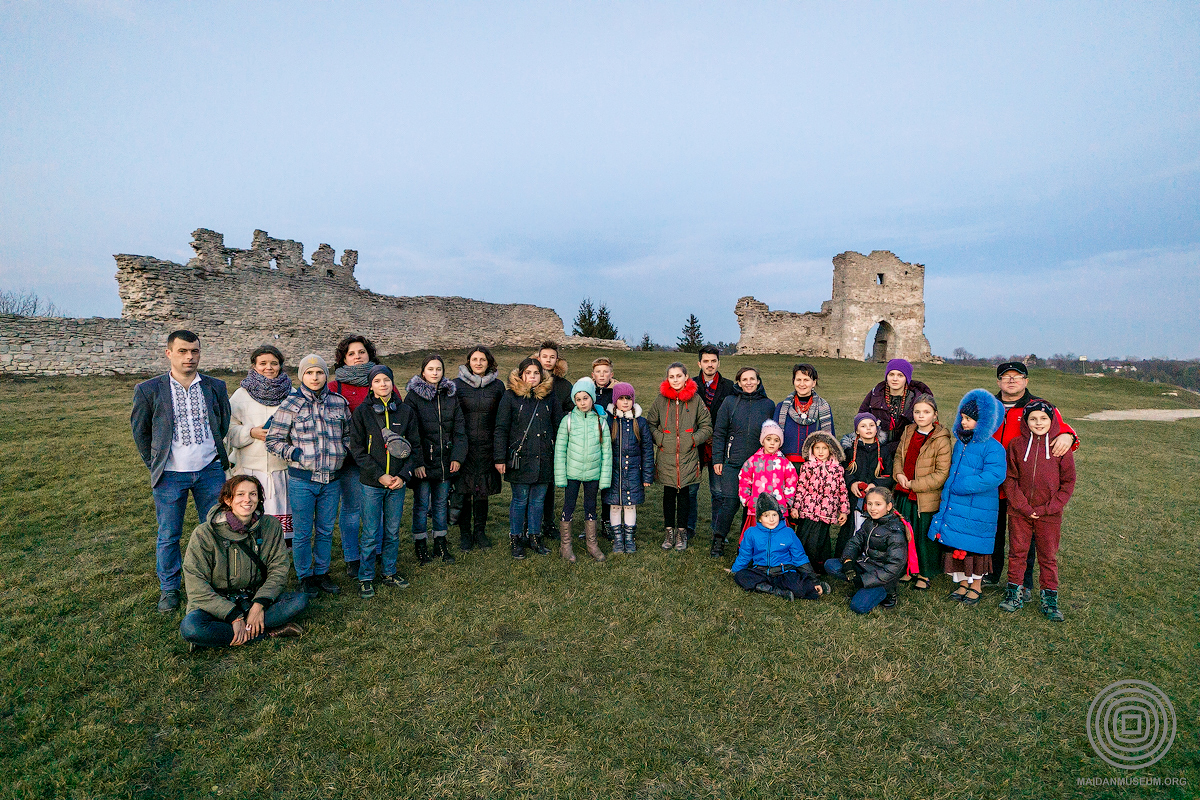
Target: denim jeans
[[864, 599], [314, 510], [525, 511], [381, 512], [424, 493], [714, 491], [170, 504], [350, 516], [204, 630]]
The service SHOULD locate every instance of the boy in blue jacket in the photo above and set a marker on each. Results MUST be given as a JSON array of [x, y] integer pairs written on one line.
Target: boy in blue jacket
[[771, 559]]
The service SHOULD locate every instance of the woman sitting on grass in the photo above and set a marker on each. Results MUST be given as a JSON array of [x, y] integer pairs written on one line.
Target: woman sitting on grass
[[234, 570]]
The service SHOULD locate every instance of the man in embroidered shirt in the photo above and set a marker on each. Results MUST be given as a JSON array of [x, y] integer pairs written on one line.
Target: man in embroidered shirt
[[179, 424]]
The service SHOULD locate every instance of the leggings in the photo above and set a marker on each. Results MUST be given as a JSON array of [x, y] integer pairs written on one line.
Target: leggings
[[676, 504], [615, 514], [590, 490]]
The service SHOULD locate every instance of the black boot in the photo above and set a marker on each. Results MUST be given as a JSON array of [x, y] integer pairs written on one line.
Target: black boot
[[718, 546], [539, 546], [440, 548], [421, 547], [479, 520], [466, 537], [518, 551]]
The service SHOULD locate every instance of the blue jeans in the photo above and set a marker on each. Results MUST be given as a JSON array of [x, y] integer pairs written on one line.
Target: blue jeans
[[314, 509], [351, 513], [864, 599], [714, 491], [526, 509], [204, 630], [424, 493], [381, 512], [170, 504]]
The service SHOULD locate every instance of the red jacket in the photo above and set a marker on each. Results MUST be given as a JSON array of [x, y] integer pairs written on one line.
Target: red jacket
[[1010, 427], [1038, 482]]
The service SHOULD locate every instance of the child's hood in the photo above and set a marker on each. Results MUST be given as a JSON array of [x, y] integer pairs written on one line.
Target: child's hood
[[836, 454], [991, 414], [1042, 442]]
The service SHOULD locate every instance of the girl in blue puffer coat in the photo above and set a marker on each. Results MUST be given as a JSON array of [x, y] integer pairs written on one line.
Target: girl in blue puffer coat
[[632, 466], [966, 521]]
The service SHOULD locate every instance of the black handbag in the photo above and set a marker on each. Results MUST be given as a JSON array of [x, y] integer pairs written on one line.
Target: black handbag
[[514, 458]]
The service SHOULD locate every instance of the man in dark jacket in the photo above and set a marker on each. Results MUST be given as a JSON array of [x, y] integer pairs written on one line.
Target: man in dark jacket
[[713, 388], [179, 424]]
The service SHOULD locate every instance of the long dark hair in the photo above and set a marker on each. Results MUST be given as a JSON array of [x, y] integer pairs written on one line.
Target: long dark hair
[[430, 359], [229, 488], [491, 362], [344, 347]]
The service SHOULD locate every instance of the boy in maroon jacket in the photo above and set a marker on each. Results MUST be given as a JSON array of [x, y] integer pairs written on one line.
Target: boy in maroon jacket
[[1038, 486]]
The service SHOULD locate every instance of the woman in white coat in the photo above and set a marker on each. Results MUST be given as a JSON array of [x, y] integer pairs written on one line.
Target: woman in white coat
[[264, 388]]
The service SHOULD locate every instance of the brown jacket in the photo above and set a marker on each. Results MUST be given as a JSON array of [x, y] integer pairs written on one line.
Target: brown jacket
[[933, 466]]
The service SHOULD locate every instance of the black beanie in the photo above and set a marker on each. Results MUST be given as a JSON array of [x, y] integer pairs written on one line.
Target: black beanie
[[970, 409], [767, 502], [1038, 404], [380, 369]]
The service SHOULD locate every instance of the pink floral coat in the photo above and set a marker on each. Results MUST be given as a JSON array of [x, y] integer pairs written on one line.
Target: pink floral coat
[[764, 473], [821, 491]]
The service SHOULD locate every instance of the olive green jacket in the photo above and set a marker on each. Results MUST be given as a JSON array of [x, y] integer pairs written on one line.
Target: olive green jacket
[[214, 566]]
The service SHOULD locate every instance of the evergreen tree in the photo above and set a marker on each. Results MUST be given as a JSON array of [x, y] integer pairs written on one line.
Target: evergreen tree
[[692, 339], [646, 344], [604, 328], [585, 320]]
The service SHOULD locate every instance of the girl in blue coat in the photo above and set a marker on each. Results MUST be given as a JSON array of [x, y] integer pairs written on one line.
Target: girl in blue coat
[[771, 559], [966, 521], [632, 466]]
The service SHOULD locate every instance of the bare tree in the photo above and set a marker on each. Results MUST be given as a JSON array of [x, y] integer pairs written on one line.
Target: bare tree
[[27, 304]]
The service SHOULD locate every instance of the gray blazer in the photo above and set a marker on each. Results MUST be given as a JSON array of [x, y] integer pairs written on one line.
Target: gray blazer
[[153, 420]]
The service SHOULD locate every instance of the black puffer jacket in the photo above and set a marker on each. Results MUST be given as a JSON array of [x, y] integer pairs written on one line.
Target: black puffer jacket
[[739, 422], [443, 428], [879, 550], [479, 397], [367, 445], [864, 463], [533, 408]]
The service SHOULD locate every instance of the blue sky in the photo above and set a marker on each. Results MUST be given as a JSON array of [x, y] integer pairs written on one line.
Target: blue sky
[[1042, 160]]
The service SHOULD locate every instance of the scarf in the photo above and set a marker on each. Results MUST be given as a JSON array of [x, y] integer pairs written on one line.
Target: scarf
[[357, 375], [268, 391], [427, 390], [236, 525], [471, 379]]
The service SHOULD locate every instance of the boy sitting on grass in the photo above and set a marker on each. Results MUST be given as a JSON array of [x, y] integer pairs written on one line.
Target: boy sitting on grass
[[770, 558]]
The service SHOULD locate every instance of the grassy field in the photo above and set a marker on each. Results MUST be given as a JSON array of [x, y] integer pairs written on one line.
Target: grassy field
[[649, 676]]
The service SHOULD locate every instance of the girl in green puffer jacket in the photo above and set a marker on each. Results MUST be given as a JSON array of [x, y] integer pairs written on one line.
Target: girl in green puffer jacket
[[583, 458]]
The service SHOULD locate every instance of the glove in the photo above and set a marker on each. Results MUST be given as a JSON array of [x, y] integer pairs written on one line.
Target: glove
[[849, 569], [858, 582]]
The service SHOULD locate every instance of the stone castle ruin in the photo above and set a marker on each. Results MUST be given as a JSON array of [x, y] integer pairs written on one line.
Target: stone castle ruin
[[238, 299], [877, 291]]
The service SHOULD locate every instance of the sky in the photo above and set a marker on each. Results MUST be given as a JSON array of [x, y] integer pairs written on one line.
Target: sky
[[1042, 160]]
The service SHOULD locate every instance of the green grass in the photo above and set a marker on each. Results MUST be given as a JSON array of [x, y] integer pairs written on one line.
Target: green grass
[[649, 676]]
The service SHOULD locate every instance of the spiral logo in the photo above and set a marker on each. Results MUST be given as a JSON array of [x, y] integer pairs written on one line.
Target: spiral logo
[[1131, 724]]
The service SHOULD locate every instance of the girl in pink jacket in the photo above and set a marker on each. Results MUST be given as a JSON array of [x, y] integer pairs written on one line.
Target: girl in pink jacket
[[768, 470], [821, 499]]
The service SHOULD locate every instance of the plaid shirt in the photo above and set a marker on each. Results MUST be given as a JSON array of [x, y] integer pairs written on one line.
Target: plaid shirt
[[312, 430]]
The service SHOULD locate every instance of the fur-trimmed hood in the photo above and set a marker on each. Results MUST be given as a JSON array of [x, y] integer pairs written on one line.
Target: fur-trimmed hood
[[836, 453], [522, 389], [427, 390], [633, 413], [683, 395], [476, 381], [991, 413]]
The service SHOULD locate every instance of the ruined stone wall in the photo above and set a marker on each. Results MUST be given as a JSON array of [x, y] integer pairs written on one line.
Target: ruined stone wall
[[867, 289], [237, 300]]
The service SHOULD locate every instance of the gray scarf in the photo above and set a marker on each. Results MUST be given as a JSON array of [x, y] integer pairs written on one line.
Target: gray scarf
[[471, 379], [357, 375], [268, 391]]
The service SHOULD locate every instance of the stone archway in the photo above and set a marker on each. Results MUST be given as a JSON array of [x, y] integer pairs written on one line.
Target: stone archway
[[881, 343]]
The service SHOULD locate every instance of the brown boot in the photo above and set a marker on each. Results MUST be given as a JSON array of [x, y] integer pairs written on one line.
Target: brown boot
[[681, 538], [669, 541], [289, 629], [564, 541], [589, 536]]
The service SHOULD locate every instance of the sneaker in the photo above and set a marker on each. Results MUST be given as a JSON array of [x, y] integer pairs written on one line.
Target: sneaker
[[366, 590], [1050, 605], [394, 581], [1014, 598], [889, 601], [326, 584], [168, 601]]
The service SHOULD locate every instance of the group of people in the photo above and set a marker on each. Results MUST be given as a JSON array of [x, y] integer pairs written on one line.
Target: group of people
[[274, 466]]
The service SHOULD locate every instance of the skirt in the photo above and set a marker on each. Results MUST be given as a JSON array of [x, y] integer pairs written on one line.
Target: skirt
[[929, 552], [973, 564]]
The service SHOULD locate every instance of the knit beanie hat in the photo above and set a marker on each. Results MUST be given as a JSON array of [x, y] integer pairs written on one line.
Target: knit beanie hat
[[312, 360], [970, 409], [623, 390], [1038, 404], [865, 415], [767, 502], [585, 385], [770, 428], [380, 369], [901, 365]]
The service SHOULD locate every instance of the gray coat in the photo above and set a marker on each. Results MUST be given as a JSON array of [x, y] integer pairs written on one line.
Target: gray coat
[[153, 420]]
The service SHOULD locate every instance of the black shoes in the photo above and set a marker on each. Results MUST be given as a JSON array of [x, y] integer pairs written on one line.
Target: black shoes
[[351, 569], [441, 549], [326, 584], [168, 601], [366, 590], [421, 548], [539, 546], [518, 551], [396, 581], [889, 601]]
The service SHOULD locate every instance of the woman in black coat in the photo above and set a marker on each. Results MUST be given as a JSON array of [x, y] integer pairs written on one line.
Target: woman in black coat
[[735, 438], [526, 424], [444, 442], [479, 394]]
